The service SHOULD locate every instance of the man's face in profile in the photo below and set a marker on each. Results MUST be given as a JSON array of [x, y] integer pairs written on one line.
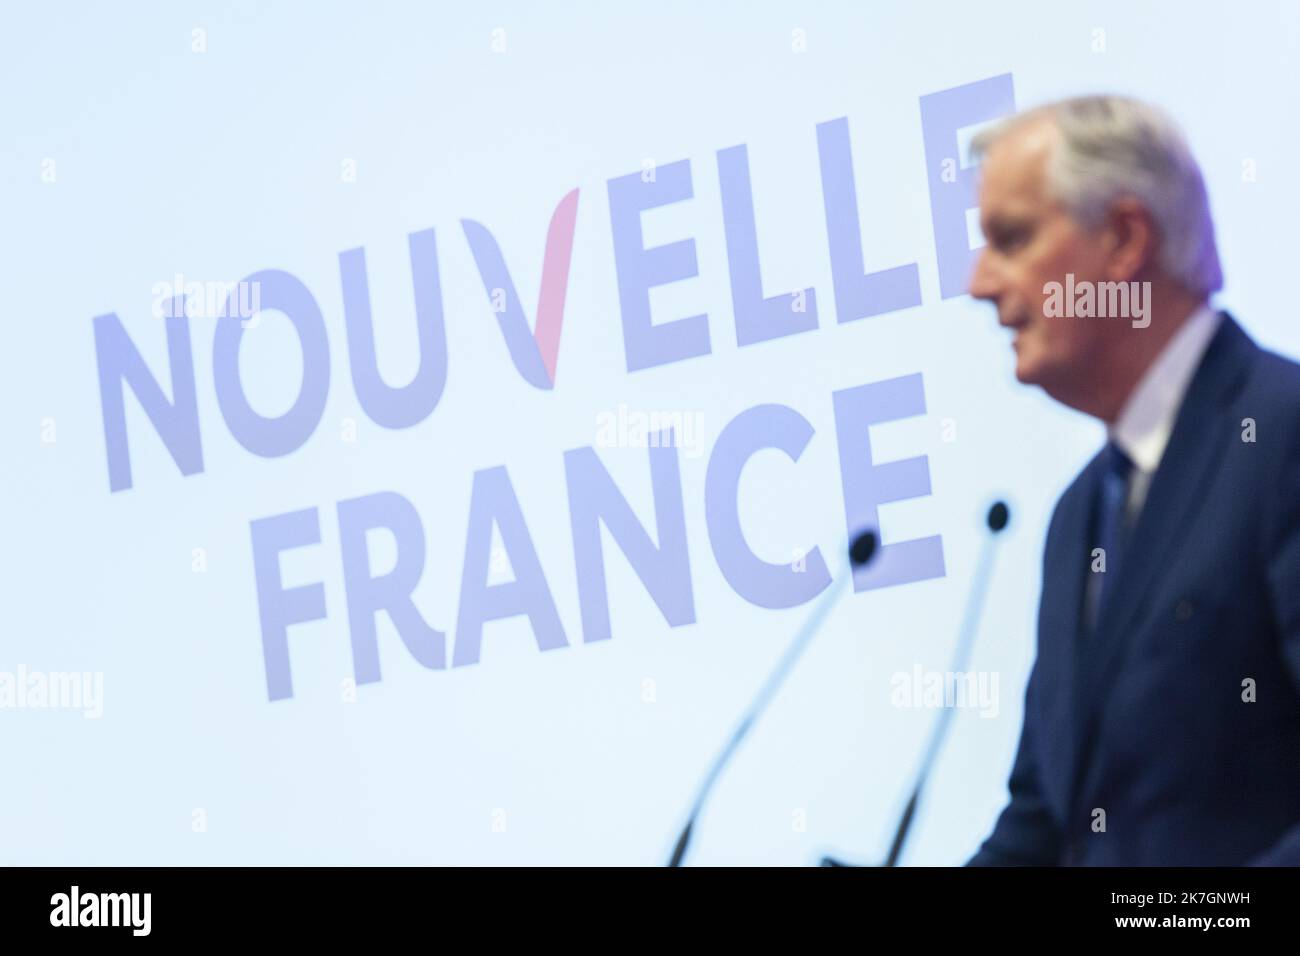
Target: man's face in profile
[[1031, 240]]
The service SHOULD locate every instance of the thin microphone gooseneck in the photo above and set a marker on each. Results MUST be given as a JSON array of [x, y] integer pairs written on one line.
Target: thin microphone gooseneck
[[997, 520], [861, 551]]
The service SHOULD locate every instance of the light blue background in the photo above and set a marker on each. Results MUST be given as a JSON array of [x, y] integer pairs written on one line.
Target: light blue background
[[222, 163]]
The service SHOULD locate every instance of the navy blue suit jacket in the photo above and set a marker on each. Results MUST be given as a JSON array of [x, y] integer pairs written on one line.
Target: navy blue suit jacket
[[1146, 718]]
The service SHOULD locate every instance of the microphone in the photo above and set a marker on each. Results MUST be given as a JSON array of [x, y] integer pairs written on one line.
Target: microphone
[[997, 519], [861, 551]]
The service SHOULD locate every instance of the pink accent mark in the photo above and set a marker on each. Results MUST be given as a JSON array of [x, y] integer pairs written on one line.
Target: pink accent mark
[[555, 280]]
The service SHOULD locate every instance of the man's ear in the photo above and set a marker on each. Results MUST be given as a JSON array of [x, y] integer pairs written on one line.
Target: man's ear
[[1132, 239]]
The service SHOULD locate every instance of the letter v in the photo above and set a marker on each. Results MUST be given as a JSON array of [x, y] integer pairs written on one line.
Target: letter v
[[535, 353]]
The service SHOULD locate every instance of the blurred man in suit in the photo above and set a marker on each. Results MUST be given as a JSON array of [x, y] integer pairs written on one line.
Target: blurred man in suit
[[1162, 713]]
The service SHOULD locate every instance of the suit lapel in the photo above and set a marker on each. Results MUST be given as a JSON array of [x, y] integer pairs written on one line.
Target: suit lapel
[[1064, 579]]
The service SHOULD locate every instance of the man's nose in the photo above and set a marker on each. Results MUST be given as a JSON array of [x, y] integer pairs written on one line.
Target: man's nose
[[983, 277]]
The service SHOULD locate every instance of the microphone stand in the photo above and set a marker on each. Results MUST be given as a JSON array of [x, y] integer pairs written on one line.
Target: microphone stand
[[997, 519], [860, 553]]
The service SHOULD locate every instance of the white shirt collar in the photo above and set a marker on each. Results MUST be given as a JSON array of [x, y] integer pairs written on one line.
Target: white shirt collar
[[1146, 421]]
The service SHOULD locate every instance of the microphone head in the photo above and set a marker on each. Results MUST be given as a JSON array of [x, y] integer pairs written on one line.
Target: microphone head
[[999, 515], [863, 548]]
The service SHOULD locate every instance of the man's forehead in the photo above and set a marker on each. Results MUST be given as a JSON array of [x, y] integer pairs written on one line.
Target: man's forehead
[[1014, 170]]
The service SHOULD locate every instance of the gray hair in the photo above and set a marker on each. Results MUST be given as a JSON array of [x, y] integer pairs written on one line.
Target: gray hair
[[1116, 146]]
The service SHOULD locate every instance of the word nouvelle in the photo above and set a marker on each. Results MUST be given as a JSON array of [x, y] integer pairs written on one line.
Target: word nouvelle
[[75, 908], [594, 501]]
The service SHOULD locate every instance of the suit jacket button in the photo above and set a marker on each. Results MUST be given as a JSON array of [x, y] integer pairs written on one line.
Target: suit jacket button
[[1184, 610]]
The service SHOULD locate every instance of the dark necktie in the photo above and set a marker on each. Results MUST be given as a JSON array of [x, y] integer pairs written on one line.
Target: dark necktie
[[1112, 524]]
